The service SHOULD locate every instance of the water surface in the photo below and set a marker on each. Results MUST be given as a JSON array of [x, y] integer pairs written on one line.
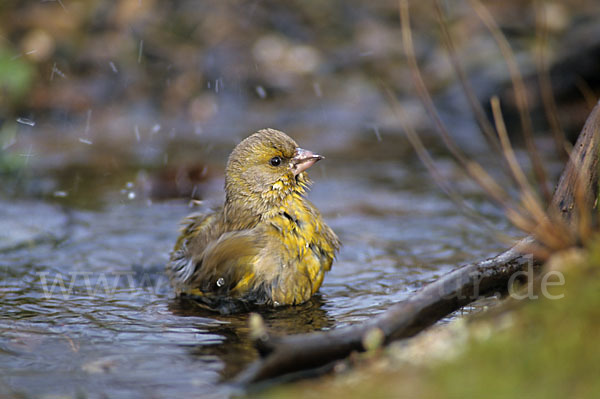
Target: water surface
[[114, 328]]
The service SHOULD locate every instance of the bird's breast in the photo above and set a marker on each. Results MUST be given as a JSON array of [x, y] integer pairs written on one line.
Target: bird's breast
[[297, 247]]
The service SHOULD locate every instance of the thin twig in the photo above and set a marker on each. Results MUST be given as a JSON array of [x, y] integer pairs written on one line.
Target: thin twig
[[529, 199], [586, 92], [422, 88], [475, 105], [545, 83], [476, 171], [507, 150], [433, 170], [520, 94]]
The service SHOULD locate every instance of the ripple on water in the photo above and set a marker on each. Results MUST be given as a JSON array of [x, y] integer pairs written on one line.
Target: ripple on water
[[86, 306]]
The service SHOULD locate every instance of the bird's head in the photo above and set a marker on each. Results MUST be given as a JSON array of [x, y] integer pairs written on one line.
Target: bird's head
[[265, 168]]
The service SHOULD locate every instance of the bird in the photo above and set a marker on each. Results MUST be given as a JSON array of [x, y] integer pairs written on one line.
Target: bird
[[267, 245]]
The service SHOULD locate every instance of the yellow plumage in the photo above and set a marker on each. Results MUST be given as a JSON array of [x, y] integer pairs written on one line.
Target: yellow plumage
[[268, 245]]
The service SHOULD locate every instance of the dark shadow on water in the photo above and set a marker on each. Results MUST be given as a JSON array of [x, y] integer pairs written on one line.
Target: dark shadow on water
[[236, 349]]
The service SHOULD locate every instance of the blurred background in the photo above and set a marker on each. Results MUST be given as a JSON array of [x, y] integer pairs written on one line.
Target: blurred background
[[103, 89], [113, 115]]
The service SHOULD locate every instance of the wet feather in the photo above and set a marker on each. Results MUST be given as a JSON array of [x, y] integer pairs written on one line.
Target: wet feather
[[268, 245]]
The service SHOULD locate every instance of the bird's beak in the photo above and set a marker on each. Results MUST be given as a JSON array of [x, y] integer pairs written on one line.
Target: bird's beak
[[302, 160]]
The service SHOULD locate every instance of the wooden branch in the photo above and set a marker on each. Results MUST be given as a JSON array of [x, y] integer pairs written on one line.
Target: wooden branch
[[583, 163], [436, 300]]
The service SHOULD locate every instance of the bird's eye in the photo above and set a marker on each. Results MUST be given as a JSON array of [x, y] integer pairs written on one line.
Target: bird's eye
[[275, 161]]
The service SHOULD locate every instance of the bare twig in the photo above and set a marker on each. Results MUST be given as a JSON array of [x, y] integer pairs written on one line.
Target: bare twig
[[586, 92], [520, 94], [475, 105], [474, 170], [494, 191], [556, 230], [422, 88], [546, 85], [429, 163]]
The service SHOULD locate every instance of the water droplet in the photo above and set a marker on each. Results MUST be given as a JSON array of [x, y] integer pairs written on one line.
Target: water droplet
[[377, 134], [220, 282], [131, 195], [136, 130], [87, 122], [85, 141], [56, 71], [129, 184], [60, 194], [317, 89], [113, 67], [262, 93], [156, 128], [25, 121]]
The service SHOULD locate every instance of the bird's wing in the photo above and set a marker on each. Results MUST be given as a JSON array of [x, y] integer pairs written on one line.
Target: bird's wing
[[226, 267], [197, 228], [196, 232], [207, 261]]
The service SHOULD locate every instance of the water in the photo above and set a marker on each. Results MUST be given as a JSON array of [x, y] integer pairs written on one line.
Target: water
[[131, 104], [115, 329]]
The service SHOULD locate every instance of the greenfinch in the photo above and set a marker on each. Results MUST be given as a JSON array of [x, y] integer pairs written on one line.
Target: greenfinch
[[267, 245]]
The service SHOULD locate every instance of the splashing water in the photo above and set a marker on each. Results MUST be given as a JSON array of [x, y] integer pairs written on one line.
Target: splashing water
[[26, 121]]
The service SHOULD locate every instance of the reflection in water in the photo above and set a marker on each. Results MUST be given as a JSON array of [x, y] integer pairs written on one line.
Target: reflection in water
[[235, 348]]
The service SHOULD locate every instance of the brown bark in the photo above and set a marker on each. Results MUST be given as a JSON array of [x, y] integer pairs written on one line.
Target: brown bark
[[583, 163]]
